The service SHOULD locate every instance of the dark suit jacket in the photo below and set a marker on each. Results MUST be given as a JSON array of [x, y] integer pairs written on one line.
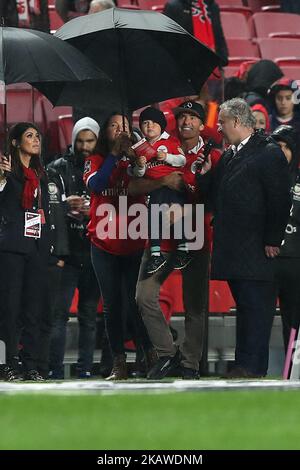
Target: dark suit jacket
[[252, 202], [12, 220]]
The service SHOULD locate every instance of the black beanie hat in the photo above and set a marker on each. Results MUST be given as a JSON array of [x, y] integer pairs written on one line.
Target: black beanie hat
[[155, 115], [286, 134]]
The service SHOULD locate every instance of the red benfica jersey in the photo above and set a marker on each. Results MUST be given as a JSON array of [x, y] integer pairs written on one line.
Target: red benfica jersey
[[155, 169], [106, 224], [192, 193]]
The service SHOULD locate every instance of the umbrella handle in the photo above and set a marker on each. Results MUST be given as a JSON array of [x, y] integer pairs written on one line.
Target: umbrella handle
[[121, 71]]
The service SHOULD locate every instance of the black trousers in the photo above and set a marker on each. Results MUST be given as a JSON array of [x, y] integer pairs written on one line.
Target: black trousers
[[50, 298], [255, 311], [114, 273], [83, 278], [287, 276], [22, 282]]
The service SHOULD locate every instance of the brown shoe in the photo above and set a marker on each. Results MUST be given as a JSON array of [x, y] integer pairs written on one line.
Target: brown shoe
[[119, 370], [241, 373]]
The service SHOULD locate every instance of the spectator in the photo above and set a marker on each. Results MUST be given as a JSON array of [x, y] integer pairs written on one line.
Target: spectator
[[39, 18], [68, 9], [287, 264], [8, 11], [59, 251], [234, 87], [77, 271], [24, 248], [116, 259], [283, 108], [202, 19], [190, 118], [262, 118], [168, 157], [100, 5], [251, 201], [260, 78]]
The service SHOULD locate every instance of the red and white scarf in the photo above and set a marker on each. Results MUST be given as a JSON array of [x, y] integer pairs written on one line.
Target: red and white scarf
[[202, 26], [30, 187]]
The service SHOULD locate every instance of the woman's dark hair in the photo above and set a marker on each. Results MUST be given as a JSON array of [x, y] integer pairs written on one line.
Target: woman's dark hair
[[104, 145], [16, 134]]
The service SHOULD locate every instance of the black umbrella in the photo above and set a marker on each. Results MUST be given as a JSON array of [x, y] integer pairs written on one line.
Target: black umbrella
[[148, 56], [35, 57]]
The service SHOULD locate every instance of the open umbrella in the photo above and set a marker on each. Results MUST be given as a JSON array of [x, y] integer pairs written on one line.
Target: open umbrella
[[35, 57], [148, 56]]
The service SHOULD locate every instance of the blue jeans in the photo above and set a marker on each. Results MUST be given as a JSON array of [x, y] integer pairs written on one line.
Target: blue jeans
[[114, 273], [84, 279]]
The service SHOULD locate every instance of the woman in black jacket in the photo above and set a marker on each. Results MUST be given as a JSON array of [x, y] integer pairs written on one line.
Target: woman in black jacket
[[24, 248]]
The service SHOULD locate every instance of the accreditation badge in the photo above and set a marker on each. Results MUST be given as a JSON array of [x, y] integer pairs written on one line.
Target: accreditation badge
[[32, 228]]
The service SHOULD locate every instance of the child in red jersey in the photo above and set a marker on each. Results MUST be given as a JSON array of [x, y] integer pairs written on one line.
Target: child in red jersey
[[169, 157]]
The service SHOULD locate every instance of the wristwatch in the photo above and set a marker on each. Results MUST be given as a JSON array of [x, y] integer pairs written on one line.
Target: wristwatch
[[2, 183]]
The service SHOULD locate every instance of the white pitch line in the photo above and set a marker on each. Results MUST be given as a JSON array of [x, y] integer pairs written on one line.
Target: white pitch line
[[102, 386]]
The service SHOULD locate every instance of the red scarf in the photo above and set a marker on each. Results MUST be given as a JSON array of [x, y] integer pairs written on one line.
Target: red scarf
[[30, 186], [202, 27]]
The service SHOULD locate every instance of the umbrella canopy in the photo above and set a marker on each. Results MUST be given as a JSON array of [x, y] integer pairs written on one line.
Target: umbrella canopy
[[148, 56], [35, 57]]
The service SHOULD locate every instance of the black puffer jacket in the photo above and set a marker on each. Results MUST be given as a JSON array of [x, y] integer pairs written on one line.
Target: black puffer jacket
[[58, 212], [70, 168], [252, 201]]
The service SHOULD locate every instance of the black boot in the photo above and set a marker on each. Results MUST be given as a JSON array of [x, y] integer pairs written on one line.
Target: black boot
[[119, 370]]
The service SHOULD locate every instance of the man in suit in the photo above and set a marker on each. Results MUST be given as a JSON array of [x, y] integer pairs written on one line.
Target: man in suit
[[251, 206]]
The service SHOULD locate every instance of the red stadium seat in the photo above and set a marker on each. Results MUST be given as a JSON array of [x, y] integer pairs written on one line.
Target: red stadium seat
[[235, 25], [149, 4], [279, 48], [125, 3], [220, 298], [242, 47], [241, 50], [268, 23], [247, 12], [129, 6], [19, 100], [231, 3], [291, 71], [65, 126], [230, 71]]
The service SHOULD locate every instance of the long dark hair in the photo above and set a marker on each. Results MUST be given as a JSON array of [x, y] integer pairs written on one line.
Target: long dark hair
[[16, 134], [104, 145]]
